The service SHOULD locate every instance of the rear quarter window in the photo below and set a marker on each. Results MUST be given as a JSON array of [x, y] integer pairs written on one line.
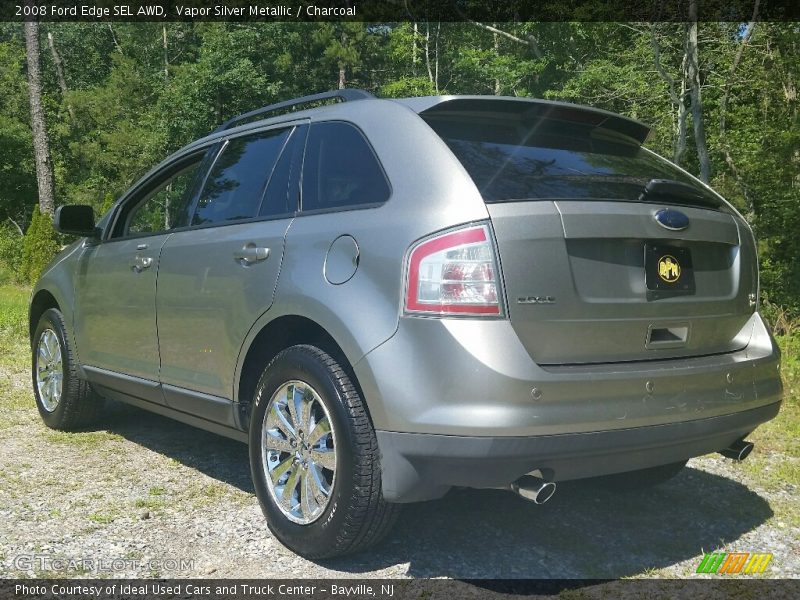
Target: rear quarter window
[[340, 169]]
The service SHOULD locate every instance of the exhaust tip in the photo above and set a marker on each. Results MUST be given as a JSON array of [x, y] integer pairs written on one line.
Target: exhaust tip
[[738, 451], [545, 493], [534, 489]]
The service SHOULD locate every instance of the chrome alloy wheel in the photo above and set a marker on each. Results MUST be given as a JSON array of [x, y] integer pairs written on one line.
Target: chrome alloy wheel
[[298, 451], [49, 370]]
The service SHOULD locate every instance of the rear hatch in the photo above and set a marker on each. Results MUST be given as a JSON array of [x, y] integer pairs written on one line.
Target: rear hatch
[[608, 252]]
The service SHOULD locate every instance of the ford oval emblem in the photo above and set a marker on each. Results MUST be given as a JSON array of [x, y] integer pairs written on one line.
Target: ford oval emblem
[[673, 220]]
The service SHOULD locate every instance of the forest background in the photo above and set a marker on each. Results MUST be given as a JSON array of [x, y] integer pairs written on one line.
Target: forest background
[[87, 108]]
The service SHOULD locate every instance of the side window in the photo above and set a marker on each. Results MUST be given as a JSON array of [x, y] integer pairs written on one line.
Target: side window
[[162, 207], [237, 181], [340, 169], [282, 190]]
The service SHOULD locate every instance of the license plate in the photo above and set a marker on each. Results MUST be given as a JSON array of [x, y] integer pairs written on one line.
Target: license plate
[[668, 269]]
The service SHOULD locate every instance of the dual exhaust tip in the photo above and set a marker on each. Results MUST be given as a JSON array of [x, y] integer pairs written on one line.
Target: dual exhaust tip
[[532, 487]]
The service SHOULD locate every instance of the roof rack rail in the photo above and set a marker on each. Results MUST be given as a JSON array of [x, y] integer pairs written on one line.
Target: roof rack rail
[[346, 95]]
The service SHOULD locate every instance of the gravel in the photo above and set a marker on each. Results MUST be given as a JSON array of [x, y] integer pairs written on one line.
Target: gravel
[[145, 493]]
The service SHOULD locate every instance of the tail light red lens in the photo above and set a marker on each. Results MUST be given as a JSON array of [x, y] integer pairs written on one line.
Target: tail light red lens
[[454, 274]]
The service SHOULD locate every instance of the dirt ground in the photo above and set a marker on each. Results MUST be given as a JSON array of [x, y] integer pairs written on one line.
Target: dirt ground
[[145, 493]]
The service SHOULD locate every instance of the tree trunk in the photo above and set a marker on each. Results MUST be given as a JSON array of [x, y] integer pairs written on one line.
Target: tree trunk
[[749, 199], [17, 225], [694, 90], [114, 39], [678, 100], [342, 72], [529, 41], [497, 88], [683, 114], [41, 145], [62, 81], [166, 55], [436, 64], [428, 51], [414, 57]]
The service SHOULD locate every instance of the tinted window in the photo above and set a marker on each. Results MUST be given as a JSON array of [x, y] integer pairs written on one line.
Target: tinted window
[[340, 169], [162, 208], [281, 196], [509, 161], [236, 184]]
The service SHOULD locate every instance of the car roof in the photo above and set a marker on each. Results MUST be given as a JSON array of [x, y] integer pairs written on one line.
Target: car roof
[[442, 104], [356, 108]]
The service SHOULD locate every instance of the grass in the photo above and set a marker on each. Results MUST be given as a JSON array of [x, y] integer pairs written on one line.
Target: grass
[[13, 310], [149, 503], [782, 434], [15, 397], [81, 439], [210, 494], [102, 519]]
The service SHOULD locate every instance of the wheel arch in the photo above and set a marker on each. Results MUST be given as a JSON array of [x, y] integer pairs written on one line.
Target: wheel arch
[[281, 333], [41, 301]]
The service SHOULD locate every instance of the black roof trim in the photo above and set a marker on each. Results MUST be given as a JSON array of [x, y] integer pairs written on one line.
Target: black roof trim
[[345, 95]]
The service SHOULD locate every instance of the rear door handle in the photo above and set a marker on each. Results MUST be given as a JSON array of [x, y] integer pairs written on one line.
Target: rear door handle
[[250, 254], [140, 263]]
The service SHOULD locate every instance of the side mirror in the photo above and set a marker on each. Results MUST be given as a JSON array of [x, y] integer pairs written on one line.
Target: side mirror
[[76, 219]]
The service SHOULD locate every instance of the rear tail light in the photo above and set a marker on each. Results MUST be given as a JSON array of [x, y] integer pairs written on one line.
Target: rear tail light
[[454, 273]]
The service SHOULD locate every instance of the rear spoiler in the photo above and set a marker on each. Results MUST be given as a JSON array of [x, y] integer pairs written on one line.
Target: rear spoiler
[[616, 125]]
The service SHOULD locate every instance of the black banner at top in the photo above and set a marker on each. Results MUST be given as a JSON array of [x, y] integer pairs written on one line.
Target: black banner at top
[[398, 10]]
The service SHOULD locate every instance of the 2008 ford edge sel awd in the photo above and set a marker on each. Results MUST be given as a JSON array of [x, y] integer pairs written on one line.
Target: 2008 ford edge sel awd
[[390, 298]]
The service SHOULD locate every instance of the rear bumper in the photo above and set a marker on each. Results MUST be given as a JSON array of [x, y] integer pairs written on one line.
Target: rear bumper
[[472, 377], [460, 402], [423, 467]]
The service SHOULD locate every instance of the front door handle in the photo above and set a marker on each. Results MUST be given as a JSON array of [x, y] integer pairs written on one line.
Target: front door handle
[[250, 254], [140, 263]]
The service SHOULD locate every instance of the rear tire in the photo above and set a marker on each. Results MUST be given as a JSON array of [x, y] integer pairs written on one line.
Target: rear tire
[[640, 480], [65, 401], [319, 487]]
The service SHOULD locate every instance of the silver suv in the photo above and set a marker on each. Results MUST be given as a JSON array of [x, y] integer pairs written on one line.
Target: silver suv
[[390, 298]]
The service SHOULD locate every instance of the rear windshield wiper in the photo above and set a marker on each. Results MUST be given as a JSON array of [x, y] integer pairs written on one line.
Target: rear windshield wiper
[[669, 189]]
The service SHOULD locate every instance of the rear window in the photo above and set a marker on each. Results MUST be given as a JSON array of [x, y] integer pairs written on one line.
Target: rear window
[[509, 161]]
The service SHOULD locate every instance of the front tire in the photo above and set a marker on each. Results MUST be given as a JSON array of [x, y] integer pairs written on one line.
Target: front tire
[[314, 457], [65, 401]]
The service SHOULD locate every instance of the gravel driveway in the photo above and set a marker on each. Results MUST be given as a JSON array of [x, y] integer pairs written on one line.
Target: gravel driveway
[[147, 492]]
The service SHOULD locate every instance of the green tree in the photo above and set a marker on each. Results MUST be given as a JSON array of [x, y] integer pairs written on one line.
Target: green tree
[[11, 253], [40, 245], [139, 91]]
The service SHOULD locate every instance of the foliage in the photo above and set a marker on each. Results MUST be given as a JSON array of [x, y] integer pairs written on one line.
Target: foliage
[[17, 172], [779, 318], [13, 314], [11, 253], [40, 245], [135, 92]]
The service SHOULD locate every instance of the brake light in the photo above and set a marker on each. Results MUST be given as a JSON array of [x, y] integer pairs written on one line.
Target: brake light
[[454, 274]]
